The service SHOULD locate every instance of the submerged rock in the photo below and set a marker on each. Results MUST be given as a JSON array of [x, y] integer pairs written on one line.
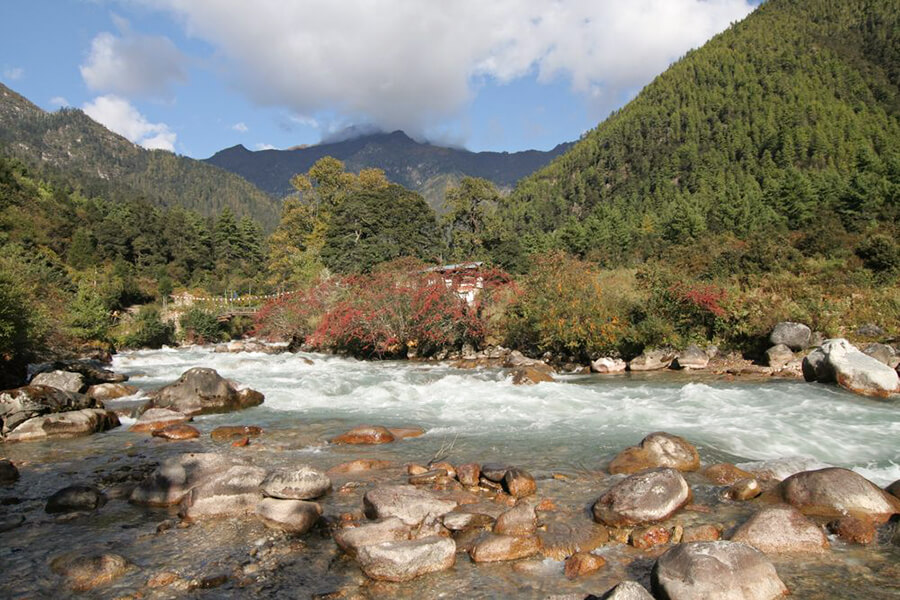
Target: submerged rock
[[292, 516], [520, 520], [69, 424], [645, 497], [75, 498], [228, 432], [854, 530], [836, 492], [229, 493], [725, 473], [61, 380], [405, 560], [82, 573], [781, 529], [298, 483], [658, 449], [840, 362], [468, 473], [176, 476], [795, 336], [716, 570], [519, 483], [203, 391], [177, 432], [8, 471], [158, 418], [365, 434]]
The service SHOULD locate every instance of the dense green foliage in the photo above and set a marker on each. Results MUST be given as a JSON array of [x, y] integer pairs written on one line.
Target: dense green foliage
[[201, 327], [149, 330]]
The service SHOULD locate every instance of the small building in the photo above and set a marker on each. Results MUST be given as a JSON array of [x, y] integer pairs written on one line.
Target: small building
[[465, 278]]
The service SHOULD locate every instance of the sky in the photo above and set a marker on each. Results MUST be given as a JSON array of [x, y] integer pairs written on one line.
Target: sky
[[197, 76]]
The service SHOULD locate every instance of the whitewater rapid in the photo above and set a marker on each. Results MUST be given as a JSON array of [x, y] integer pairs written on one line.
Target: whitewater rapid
[[579, 422]]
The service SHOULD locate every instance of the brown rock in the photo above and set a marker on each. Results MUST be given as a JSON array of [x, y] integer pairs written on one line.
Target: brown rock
[[110, 391], [75, 423], [203, 391], [158, 418], [365, 434], [82, 573], [8, 471], [657, 450], [520, 520], [583, 563], [725, 473], [428, 477], [241, 443], [228, 432], [416, 469], [468, 473], [745, 489], [359, 466], [836, 492], [700, 533], [162, 579], [853, 530], [402, 433], [645, 538], [533, 374], [646, 497], [781, 529], [496, 548], [179, 431], [519, 483], [450, 469]]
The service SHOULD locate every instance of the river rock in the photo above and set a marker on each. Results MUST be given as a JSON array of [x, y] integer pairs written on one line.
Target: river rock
[[658, 449], [110, 391], [405, 433], [61, 380], [351, 539], [882, 353], [645, 497], [69, 424], [608, 365], [301, 482], [494, 471], [779, 356], [795, 336], [464, 521], [725, 473], [627, 590], [177, 432], [716, 571], [361, 465], [582, 563], [530, 375], [405, 560], [652, 360], [468, 473], [230, 493], [228, 432], [292, 516], [83, 573], [839, 361], [203, 391], [700, 533], [75, 498], [176, 476], [93, 371], [691, 358], [779, 469], [520, 520], [408, 503], [158, 418], [836, 492], [854, 530], [519, 483], [8, 471], [496, 548], [781, 529], [429, 477], [365, 434], [744, 489], [20, 404], [644, 538], [894, 489]]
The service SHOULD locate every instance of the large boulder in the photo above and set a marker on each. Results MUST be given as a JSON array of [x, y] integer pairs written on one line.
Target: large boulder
[[292, 516], [781, 529], [178, 475], [21, 404], [836, 492], [652, 360], [233, 492], [795, 336], [646, 497], [658, 449], [410, 504], [93, 371], [882, 353], [838, 361], [691, 358], [74, 423], [298, 483], [177, 432], [408, 559], [608, 365], [351, 539], [61, 380], [203, 391], [715, 571]]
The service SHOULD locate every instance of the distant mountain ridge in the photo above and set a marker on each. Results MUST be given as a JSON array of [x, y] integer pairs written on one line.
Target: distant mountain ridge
[[425, 168], [74, 149]]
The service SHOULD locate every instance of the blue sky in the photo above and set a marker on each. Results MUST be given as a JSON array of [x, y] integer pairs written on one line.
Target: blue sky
[[201, 75]]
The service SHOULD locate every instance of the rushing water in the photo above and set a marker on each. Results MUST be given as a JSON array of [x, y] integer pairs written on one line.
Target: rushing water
[[564, 432]]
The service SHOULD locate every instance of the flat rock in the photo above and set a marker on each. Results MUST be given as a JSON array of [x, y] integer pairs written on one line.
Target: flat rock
[[406, 560], [110, 391], [658, 449], [520, 520], [406, 502], [627, 590], [795, 336], [203, 391], [351, 539], [716, 571], [836, 492], [301, 482], [292, 516], [176, 476], [497, 548], [781, 529], [61, 380], [365, 434], [75, 498], [158, 418], [83, 573], [75, 423], [229, 432], [645, 497], [177, 432], [230, 493], [24, 403]]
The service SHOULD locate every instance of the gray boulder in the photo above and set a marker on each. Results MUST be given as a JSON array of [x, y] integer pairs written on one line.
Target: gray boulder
[[781, 529], [406, 502], [406, 560], [691, 358], [233, 492], [298, 483], [21, 404], [75, 498], [779, 356], [838, 361], [351, 539], [178, 475], [292, 516], [627, 590], [882, 353], [795, 336], [203, 391], [715, 571], [837, 492], [646, 497], [652, 360], [608, 365], [61, 380], [93, 371], [74, 423]]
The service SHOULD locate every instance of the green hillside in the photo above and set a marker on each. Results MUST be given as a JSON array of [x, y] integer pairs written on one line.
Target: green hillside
[[72, 149], [786, 127]]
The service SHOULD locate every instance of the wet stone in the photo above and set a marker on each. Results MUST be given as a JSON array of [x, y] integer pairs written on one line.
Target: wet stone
[[351, 539], [302, 482], [645, 538], [700, 533], [409, 503], [744, 489], [229, 432], [82, 573], [725, 473], [365, 434], [405, 560], [468, 473], [177, 432], [494, 471], [645, 497], [658, 449], [292, 516], [158, 418], [836, 492], [8, 471], [781, 529], [496, 548], [75, 498], [854, 530], [428, 477], [361, 465], [520, 520], [519, 483], [583, 563]]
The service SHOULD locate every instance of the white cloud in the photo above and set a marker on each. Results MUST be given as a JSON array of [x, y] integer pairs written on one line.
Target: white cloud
[[411, 65], [240, 127], [262, 146], [13, 73], [59, 101], [132, 64], [119, 115]]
